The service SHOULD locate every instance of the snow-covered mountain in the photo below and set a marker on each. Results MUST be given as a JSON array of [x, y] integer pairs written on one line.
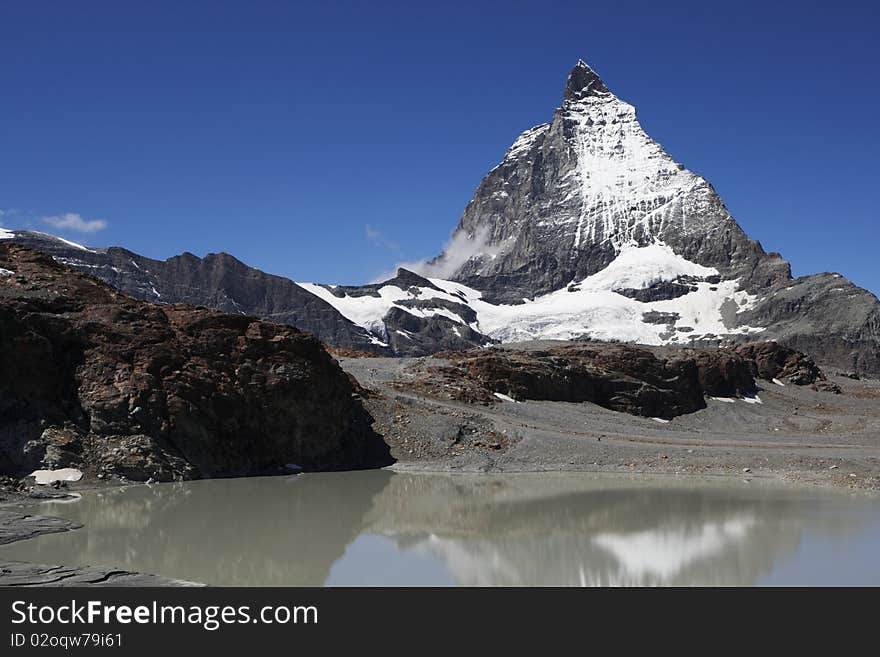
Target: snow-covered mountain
[[586, 229], [571, 194]]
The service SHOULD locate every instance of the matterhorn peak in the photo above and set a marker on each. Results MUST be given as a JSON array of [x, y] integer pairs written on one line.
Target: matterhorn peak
[[582, 82]]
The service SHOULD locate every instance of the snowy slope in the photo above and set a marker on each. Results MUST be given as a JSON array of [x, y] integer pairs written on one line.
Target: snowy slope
[[368, 311], [591, 308]]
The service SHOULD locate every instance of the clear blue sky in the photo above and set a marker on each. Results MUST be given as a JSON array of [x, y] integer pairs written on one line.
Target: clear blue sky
[[326, 141]]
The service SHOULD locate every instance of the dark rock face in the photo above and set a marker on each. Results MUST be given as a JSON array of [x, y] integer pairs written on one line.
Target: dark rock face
[[654, 317], [94, 379], [653, 382], [217, 281], [662, 291], [620, 377], [409, 335], [770, 360], [826, 316]]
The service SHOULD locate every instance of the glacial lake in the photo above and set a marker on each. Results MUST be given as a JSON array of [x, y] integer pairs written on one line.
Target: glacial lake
[[546, 529]]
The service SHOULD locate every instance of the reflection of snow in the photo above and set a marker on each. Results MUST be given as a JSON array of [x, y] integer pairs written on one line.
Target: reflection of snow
[[647, 558], [471, 567], [666, 552]]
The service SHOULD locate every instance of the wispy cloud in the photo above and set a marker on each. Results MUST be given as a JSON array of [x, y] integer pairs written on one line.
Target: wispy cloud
[[378, 239], [73, 221], [460, 248], [9, 215]]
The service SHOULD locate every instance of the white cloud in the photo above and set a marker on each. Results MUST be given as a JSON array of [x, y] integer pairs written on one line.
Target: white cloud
[[378, 239], [73, 221], [460, 248]]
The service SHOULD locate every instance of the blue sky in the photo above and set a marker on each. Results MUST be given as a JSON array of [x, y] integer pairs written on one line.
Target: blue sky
[[327, 141]]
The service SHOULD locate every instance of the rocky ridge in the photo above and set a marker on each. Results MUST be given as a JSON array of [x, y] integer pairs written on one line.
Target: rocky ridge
[[218, 281]]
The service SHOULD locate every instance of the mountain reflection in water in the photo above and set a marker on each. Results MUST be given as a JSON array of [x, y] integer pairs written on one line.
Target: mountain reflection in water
[[547, 529]]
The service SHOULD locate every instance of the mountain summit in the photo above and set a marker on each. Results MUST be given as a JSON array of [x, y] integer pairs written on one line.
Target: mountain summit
[[583, 81]]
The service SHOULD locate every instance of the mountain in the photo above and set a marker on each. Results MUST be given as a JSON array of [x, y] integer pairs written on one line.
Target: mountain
[[586, 230], [589, 229], [571, 195], [217, 281]]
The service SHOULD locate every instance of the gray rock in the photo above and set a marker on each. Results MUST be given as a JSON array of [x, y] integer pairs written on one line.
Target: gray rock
[[826, 316], [18, 573], [16, 526]]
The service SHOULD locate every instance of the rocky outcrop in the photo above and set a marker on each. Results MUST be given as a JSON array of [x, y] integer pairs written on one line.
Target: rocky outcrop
[[773, 362], [661, 382], [118, 387], [411, 316], [410, 335]]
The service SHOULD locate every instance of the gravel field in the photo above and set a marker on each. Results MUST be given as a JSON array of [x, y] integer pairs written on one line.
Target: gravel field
[[795, 433]]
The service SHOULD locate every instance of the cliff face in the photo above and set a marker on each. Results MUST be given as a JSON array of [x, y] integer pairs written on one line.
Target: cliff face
[[94, 379]]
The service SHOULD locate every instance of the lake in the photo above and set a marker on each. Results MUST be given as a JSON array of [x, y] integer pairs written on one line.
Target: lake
[[544, 529]]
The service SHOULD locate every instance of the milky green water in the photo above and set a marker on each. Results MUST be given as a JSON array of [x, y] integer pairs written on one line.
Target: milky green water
[[384, 528]]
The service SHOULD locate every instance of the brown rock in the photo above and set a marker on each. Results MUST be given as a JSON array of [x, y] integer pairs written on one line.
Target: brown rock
[[92, 378]]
